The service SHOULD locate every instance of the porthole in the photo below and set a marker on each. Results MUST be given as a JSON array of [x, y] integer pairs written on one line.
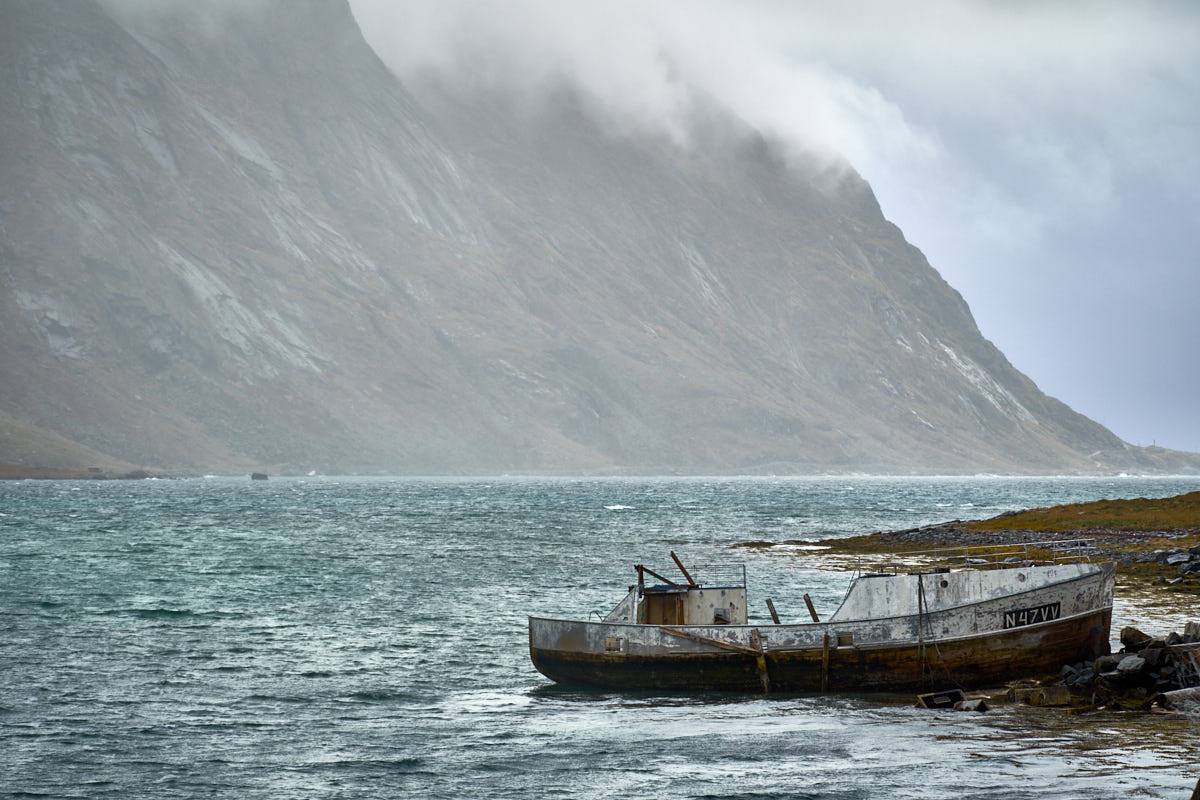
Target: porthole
[[1021, 577], [945, 583]]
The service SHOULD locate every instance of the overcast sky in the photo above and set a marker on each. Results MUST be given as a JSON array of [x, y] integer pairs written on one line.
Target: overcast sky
[[1045, 156]]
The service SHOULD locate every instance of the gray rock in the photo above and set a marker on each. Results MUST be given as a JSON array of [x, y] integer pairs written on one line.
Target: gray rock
[[1133, 639], [1131, 664]]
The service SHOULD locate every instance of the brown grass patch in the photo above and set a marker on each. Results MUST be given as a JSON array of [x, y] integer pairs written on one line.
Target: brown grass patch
[[1165, 514]]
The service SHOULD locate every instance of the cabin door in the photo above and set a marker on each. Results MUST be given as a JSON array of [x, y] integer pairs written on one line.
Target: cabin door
[[664, 609]]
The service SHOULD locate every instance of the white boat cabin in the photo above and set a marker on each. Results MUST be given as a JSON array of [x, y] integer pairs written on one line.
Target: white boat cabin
[[719, 599]]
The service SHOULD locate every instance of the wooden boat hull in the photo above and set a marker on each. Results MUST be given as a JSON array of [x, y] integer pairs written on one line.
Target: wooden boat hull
[[971, 662], [969, 646]]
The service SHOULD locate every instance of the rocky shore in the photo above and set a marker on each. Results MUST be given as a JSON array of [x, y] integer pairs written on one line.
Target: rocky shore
[[1166, 557], [1148, 673], [1155, 542]]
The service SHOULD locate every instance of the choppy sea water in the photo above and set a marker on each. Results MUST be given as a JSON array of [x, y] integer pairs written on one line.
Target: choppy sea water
[[349, 638]]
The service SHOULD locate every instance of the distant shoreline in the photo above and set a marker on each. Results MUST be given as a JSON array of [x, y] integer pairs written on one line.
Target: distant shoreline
[[20, 472], [1155, 542], [14, 471]]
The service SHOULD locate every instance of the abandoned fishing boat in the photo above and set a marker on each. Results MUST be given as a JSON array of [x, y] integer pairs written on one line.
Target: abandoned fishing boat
[[977, 625]]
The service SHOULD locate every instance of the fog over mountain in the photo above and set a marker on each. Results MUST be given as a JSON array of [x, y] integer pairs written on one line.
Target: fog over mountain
[[231, 238], [1043, 155]]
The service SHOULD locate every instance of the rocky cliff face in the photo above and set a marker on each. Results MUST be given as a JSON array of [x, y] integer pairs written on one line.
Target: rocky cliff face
[[249, 245]]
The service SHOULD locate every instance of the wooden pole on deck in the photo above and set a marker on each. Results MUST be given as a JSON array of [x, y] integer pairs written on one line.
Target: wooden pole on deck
[[679, 564], [812, 612], [771, 608], [654, 574]]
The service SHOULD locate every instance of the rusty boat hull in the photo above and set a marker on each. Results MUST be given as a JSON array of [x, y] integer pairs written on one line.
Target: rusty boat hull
[[892, 633]]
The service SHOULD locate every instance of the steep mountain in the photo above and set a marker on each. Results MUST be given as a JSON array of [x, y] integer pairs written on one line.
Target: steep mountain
[[242, 243]]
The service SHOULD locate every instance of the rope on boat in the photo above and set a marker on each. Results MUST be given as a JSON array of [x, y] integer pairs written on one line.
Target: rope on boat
[[923, 616]]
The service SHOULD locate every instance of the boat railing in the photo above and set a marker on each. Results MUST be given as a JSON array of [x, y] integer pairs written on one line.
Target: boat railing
[[719, 575], [983, 556]]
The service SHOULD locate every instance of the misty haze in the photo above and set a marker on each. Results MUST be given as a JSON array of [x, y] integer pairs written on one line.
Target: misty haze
[[234, 240]]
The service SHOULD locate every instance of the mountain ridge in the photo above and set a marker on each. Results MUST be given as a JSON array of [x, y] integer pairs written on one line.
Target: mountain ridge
[[253, 246]]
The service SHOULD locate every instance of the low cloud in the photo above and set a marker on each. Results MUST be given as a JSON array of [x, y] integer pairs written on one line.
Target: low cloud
[[644, 66], [1043, 95], [1043, 155]]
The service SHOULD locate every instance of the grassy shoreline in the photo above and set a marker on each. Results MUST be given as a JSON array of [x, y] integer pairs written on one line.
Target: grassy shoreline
[[1139, 535]]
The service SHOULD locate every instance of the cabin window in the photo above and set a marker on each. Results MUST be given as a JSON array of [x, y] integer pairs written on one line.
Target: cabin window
[[845, 640], [720, 616], [614, 644]]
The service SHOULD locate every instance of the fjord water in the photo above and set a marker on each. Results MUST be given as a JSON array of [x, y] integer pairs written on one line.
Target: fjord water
[[322, 637]]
